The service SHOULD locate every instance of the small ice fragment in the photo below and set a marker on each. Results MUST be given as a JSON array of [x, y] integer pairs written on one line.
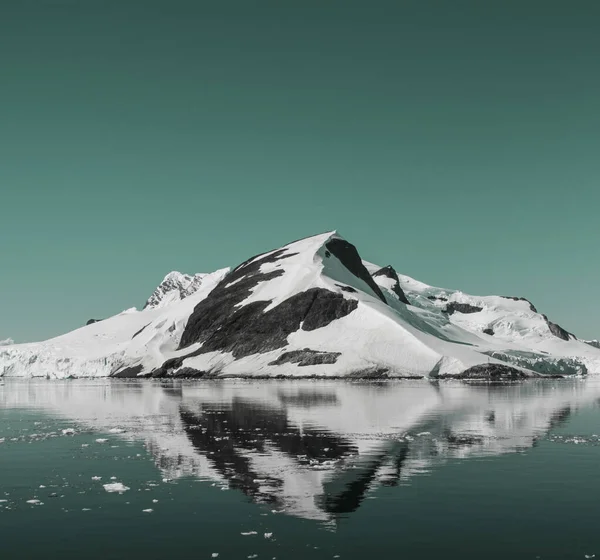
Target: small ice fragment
[[249, 533], [214, 555], [96, 478], [86, 509], [101, 440], [155, 501], [590, 555], [268, 535], [113, 478], [68, 432], [3, 501], [253, 556], [149, 510], [34, 502], [116, 431], [42, 486], [116, 487]]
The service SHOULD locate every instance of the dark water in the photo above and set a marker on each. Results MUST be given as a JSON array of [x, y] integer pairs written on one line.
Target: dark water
[[307, 469]]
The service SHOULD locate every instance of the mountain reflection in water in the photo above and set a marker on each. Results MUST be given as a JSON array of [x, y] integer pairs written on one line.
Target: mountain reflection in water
[[313, 449]]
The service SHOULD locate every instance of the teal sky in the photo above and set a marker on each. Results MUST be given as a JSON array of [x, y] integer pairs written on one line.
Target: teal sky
[[458, 141]]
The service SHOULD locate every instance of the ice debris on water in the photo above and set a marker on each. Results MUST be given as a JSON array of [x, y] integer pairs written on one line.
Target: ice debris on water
[[96, 478], [590, 555], [68, 432], [268, 535], [149, 510], [35, 502], [101, 440], [116, 487], [249, 533], [214, 555]]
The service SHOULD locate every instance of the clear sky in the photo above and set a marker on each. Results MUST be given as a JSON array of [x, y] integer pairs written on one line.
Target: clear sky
[[456, 140]]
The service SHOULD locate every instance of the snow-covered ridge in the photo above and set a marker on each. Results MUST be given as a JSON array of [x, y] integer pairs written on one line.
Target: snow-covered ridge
[[174, 287], [313, 307]]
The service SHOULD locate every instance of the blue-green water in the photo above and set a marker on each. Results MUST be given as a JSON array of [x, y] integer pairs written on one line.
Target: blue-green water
[[303, 469]]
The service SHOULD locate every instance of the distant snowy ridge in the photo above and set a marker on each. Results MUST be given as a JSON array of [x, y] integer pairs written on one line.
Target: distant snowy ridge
[[312, 308], [7, 342]]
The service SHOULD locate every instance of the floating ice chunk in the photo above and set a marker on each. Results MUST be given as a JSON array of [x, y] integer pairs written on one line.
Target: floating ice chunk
[[116, 487], [68, 432], [101, 440], [35, 502], [249, 533], [590, 555], [149, 510], [96, 478], [155, 501], [268, 535], [214, 555], [116, 430]]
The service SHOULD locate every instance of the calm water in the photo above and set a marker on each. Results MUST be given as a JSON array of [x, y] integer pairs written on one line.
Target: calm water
[[295, 470]]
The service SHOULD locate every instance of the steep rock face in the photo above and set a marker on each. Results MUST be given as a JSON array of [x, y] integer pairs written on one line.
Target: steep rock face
[[220, 323], [557, 330], [349, 257], [175, 287], [393, 285], [594, 343]]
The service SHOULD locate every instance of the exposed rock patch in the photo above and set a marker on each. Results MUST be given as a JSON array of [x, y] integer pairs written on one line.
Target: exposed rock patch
[[306, 357], [489, 331], [92, 321], [437, 298], [493, 372], [454, 307]]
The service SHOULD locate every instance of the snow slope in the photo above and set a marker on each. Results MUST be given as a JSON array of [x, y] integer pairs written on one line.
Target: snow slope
[[310, 308]]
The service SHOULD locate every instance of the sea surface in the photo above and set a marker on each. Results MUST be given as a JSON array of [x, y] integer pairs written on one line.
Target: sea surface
[[101, 469]]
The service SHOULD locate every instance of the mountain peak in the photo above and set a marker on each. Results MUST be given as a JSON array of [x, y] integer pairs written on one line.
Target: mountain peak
[[174, 287]]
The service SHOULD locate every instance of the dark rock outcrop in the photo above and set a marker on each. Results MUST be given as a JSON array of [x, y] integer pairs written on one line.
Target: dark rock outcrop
[[531, 306], [594, 343], [437, 298], [220, 324], [492, 372], [349, 289], [306, 357], [557, 330], [454, 307], [389, 272], [92, 321], [347, 254], [489, 331]]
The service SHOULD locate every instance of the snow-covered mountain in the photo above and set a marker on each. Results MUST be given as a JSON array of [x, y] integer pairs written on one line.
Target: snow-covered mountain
[[311, 308]]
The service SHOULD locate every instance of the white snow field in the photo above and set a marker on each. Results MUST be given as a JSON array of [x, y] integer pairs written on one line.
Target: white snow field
[[311, 308]]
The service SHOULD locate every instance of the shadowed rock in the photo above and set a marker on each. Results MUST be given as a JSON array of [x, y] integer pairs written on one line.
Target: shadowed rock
[[494, 372], [389, 272], [347, 254], [454, 307], [306, 357], [557, 330]]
